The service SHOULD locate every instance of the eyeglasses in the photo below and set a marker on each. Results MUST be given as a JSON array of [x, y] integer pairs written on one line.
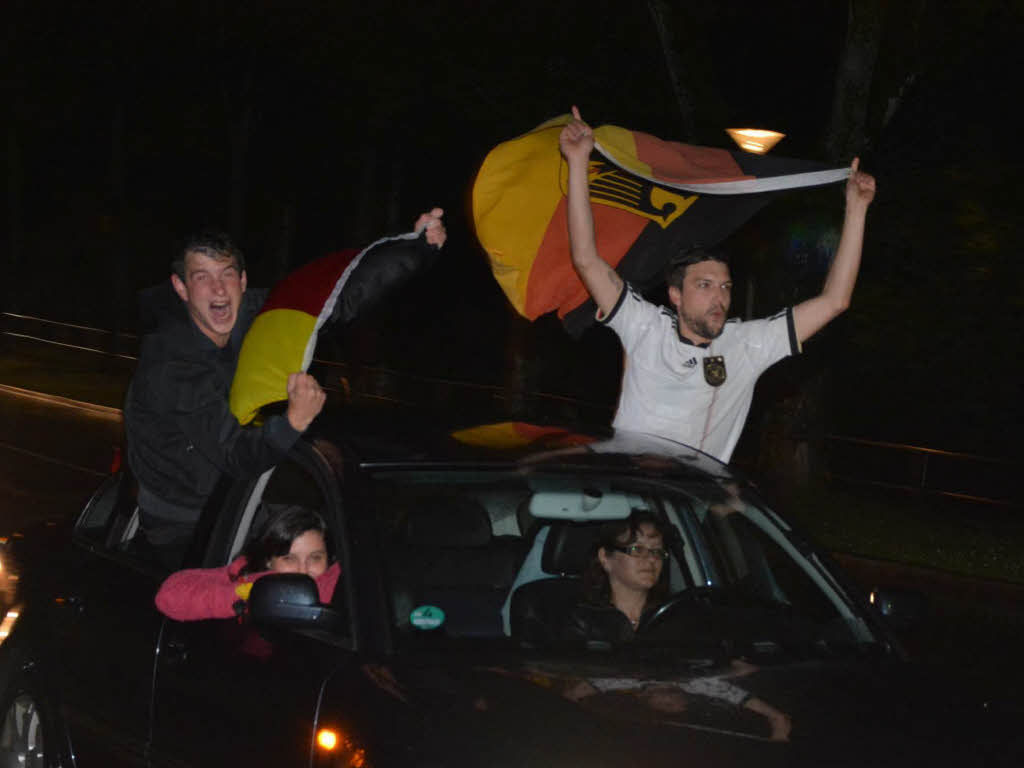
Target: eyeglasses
[[639, 550]]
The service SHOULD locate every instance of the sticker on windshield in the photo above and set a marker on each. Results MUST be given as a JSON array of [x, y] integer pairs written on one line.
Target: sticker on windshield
[[427, 617]]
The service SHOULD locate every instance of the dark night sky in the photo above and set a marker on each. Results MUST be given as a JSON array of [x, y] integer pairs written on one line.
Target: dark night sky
[[122, 119]]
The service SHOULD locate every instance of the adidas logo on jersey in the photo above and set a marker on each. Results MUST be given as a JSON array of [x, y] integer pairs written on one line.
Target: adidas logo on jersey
[[691, 363]]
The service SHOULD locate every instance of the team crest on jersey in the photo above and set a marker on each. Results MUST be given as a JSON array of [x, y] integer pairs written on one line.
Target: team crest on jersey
[[714, 370]]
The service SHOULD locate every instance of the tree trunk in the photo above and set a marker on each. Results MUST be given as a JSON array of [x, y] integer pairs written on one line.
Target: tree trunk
[[847, 132], [395, 196], [114, 236], [660, 16], [286, 230], [359, 231], [239, 157], [14, 182]]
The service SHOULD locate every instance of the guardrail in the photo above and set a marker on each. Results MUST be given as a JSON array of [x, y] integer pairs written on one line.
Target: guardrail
[[926, 471], [84, 337], [896, 466]]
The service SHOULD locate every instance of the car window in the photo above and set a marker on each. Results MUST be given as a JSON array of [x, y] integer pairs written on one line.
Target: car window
[[748, 560], [97, 514], [110, 520], [290, 482], [475, 555], [296, 481]]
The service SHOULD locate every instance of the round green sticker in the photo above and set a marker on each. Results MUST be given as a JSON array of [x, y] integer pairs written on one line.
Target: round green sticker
[[427, 617]]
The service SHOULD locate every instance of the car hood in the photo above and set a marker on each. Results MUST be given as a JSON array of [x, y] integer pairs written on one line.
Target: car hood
[[565, 712]]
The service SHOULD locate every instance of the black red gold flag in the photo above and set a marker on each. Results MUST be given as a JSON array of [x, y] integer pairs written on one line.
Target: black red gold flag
[[651, 198]]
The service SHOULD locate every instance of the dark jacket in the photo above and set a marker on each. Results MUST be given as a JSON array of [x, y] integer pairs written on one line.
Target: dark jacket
[[589, 623], [180, 434]]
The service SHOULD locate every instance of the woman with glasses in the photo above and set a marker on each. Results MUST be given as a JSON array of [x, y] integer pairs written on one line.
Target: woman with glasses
[[625, 580]]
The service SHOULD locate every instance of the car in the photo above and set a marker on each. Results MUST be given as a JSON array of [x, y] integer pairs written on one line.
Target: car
[[461, 553]]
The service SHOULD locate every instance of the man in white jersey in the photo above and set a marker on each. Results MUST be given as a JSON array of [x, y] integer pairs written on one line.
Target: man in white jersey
[[690, 372]]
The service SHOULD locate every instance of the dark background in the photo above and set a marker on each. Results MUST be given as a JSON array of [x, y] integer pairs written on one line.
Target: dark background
[[303, 127]]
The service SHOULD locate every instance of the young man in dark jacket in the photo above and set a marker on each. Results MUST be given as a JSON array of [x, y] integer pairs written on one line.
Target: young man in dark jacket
[[180, 432]]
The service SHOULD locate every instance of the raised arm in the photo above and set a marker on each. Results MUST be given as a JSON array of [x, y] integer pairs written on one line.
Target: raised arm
[[431, 223], [601, 281], [812, 315]]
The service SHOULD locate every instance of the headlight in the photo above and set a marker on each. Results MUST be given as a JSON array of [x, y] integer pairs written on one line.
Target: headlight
[[8, 622]]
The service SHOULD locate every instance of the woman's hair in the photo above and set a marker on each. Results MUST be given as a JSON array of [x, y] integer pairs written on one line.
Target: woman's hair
[[597, 590], [284, 524]]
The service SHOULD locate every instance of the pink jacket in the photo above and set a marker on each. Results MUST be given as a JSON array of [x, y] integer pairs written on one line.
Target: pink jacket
[[209, 593]]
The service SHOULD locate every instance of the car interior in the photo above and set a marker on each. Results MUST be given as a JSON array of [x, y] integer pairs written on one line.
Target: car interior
[[497, 564], [507, 562]]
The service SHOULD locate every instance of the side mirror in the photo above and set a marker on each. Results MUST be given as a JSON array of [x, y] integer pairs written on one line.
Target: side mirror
[[903, 607], [291, 600]]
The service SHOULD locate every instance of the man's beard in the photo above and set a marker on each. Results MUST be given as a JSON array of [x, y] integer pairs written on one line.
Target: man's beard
[[702, 326]]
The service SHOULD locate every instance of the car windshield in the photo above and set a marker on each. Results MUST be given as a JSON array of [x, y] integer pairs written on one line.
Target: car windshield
[[499, 556]]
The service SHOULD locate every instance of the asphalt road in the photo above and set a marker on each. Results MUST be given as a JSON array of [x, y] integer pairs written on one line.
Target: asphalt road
[[53, 454]]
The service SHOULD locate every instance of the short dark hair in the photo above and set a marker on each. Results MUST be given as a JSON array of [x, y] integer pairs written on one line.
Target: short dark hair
[[676, 269], [284, 524], [597, 590], [209, 242]]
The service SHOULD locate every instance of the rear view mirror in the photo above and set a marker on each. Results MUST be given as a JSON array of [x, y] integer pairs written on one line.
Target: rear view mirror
[[291, 600]]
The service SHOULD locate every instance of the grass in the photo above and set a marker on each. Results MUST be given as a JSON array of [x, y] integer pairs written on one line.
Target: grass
[[974, 540]]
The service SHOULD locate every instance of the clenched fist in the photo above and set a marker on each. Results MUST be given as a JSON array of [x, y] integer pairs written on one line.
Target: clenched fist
[[305, 400]]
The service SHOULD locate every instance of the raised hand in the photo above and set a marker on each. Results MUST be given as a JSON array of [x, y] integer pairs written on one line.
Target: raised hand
[[860, 187], [577, 139], [431, 222], [305, 400]]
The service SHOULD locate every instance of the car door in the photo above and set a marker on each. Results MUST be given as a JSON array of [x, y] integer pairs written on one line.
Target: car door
[[227, 692], [105, 630]]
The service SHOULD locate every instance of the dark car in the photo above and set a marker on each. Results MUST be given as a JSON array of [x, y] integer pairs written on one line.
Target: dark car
[[461, 556]]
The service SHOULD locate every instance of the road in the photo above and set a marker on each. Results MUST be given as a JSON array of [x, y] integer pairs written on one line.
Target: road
[[53, 454]]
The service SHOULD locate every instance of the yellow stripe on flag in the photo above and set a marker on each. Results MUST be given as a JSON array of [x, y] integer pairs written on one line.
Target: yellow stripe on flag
[[272, 349], [502, 435], [515, 195]]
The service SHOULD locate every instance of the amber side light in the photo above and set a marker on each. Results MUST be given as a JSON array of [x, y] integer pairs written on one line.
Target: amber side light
[[327, 739], [343, 752]]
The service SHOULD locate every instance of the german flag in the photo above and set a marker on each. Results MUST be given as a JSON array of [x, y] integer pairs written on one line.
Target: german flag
[[517, 434], [327, 291], [651, 198]]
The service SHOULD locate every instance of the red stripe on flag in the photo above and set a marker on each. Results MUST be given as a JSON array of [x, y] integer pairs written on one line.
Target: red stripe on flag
[[686, 163], [307, 288], [553, 283]]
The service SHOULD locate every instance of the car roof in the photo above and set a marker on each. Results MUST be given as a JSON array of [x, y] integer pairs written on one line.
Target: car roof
[[383, 435]]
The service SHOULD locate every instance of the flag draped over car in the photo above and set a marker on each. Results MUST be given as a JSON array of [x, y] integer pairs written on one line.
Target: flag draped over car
[[519, 434], [651, 198], [327, 291]]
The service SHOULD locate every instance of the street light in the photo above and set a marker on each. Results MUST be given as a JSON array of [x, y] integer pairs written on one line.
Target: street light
[[755, 140]]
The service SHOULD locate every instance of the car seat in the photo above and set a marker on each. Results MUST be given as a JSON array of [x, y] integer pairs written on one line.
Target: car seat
[[538, 608], [448, 559]]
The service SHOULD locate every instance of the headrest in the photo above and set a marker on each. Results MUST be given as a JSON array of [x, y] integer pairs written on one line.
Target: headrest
[[568, 547], [453, 521], [527, 523]]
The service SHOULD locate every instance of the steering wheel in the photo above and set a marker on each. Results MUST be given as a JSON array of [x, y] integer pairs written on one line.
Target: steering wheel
[[678, 603]]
